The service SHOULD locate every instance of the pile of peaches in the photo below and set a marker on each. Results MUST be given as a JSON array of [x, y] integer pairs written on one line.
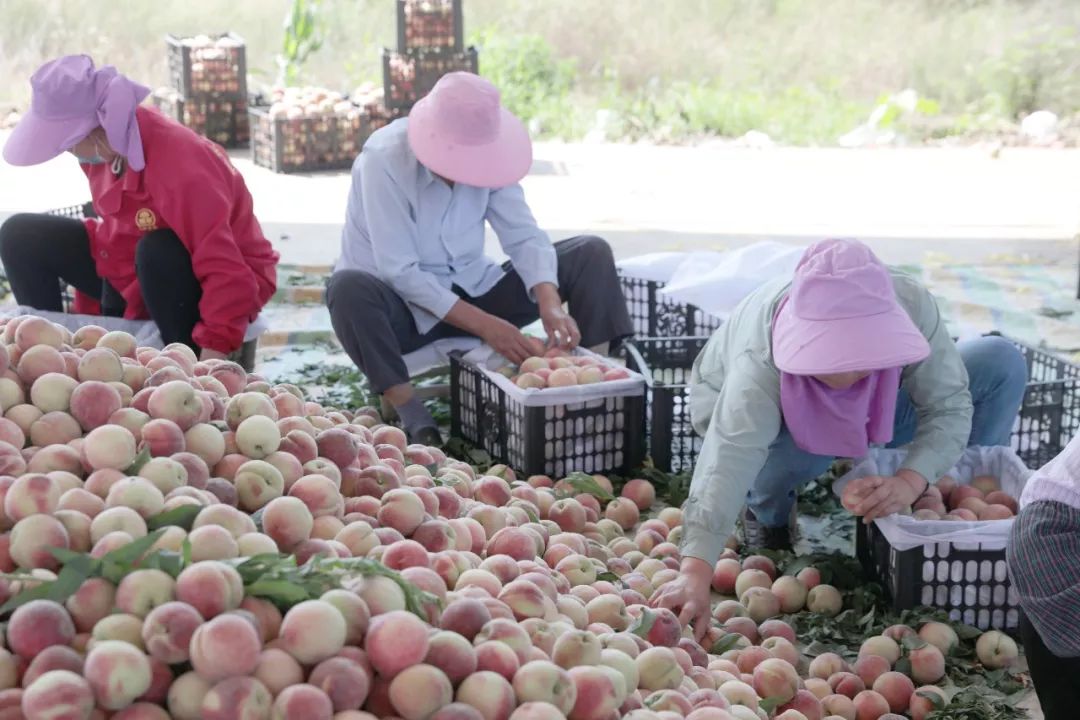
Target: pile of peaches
[[946, 499], [139, 487], [558, 369]]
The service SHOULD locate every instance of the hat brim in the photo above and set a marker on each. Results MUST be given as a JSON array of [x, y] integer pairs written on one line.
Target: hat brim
[[502, 162], [36, 140], [872, 342]]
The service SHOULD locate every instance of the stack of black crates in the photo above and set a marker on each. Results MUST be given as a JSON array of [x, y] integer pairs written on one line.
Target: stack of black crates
[[430, 44], [207, 88]]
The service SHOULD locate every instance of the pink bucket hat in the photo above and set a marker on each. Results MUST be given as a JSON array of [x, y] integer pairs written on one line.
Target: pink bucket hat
[[71, 98], [842, 315], [461, 131]]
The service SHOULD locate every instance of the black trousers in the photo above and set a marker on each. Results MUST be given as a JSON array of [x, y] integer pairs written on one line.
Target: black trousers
[[1057, 680], [376, 327], [38, 251]]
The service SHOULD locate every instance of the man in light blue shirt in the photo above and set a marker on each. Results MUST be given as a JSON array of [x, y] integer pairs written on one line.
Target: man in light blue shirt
[[412, 268]]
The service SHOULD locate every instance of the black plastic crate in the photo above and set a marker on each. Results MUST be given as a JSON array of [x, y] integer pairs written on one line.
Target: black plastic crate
[[308, 144], [223, 120], [216, 70], [969, 583], [655, 316], [673, 445], [598, 436], [407, 77], [430, 25], [1050, 414]]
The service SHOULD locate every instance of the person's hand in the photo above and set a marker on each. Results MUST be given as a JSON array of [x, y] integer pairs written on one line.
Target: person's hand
[[688, 595], [509, 341], [875, 496], [562, 331], [208, 354]]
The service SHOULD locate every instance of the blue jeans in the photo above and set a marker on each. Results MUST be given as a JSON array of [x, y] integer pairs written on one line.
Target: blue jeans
[[997, 375]]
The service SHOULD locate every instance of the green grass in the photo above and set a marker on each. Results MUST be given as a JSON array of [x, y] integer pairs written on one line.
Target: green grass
[[802, 71]]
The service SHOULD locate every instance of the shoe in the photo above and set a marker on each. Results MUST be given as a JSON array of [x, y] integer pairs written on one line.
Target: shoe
[[428, 435], [761, 537]]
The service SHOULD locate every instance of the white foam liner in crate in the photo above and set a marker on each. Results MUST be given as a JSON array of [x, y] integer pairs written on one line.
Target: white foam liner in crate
[[959, 566], [574, 396]]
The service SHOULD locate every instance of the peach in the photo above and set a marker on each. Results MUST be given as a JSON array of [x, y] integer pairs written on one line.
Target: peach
[[137, 494], [870, 705], [288, 521], [940, 635], [381, 594], [38, 361], [453, 654], [257, 483], [237, 697], [56, 459], [353, 610], [927, 664], [870, 667], [598, 696], [100, 364], [109, 447], [997, 497], [395, 641], [925, 700], [206, 441], [176, 400], [258, 436], [322, 497], [760, 603], [300, 444], [37, 625], [167, 631], [896, 688], [212, 542], [58, 694], [11, 433], [142, 711], [90, 603], [118, 626], [507, 631], [248, 404], [123, 343], [839, 706], [402, 510], [996, 650], [465, 616], [826, 665], [278, 670], [489, 693], [210, 587], [143, 590], [775, 678], [658, 669], [163, 437], [453, 711], [568, 514], [849, 684], [497, 657], [995, 512], [419, 691], [344, 681], [118, 673], [29, 495], [576, 648], [543, 681], [31, 539], [641, 492], [226, 646], [54, 657], [54, 428], [186, 696], [824, 600], [781, 648], [306, 701], [52, 392]]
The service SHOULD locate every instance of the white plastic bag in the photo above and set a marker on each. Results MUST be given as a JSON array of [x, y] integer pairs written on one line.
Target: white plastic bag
[[658, 267], [905, 532], [717, 284], [146, 332], [488, 361]]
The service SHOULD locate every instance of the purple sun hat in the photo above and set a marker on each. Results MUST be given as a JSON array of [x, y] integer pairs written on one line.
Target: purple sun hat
[[71, 98], [842, 315]]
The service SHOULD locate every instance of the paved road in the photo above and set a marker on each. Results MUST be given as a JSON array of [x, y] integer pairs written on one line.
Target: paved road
[[966, 203]]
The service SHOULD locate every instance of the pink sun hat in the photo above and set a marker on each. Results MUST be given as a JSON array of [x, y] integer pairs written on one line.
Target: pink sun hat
[[70, 98], [841, 315], [461, 131]]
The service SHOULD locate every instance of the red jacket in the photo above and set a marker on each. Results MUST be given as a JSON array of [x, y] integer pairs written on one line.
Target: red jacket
[[190, 187]]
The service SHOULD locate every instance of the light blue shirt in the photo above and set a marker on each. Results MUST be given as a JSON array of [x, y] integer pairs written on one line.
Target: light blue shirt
[[422, 237]]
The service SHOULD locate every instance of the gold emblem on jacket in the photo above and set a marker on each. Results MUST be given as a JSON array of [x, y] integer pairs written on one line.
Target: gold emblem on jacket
[[146, 220]]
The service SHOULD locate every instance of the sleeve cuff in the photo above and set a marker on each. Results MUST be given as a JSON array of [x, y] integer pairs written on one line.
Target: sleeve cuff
[[704, 538], [441, 303], [927, 464]]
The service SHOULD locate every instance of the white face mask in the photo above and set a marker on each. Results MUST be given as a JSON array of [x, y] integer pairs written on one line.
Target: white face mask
[[95, 159]]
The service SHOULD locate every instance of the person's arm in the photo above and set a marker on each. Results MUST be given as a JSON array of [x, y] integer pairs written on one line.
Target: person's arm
[[533, 257], [197, 205], [745, 421], [395, 239], [939, 391]]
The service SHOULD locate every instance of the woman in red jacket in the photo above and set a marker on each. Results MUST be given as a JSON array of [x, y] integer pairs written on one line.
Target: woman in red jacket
[[177, 240]]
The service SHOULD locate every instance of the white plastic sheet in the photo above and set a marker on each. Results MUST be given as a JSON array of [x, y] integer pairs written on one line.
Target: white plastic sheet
[[489, 361], [145, 331], [717, 285], [904, 532]]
